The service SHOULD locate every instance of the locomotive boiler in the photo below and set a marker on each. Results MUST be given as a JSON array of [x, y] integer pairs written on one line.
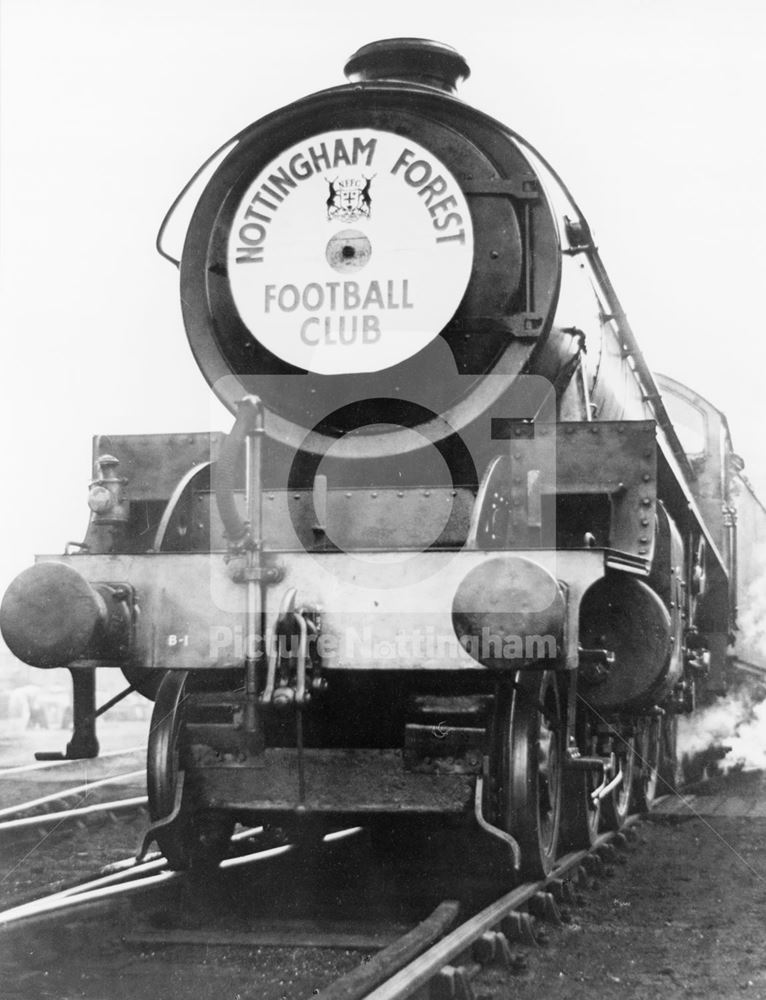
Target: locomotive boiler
[[448, 565]]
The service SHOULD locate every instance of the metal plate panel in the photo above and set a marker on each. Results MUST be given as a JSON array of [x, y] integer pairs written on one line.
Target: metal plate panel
[[379, 610]]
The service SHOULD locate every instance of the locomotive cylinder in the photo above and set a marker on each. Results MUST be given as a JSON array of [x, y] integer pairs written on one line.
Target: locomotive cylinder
[[626, 617]]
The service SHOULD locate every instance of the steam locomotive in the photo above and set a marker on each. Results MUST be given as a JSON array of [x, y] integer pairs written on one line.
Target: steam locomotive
[[452, 563]]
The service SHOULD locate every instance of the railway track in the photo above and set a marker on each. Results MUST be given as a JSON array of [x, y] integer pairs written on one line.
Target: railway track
[[56, 811], [35, 820], [67, 763], [113, 883], [431, 955], [60, 821], [445, 970]]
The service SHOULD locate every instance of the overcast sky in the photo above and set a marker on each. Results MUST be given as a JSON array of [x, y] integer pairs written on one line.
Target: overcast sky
[[652, 112]]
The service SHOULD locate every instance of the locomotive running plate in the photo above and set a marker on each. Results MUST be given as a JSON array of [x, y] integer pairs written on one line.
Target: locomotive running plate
[[350, 251]]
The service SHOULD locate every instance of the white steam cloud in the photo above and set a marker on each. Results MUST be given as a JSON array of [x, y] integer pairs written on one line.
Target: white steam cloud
[[737, 722]]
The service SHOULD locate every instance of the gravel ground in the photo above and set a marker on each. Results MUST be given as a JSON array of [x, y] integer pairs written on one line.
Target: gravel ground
[[53, 859], [684, 917]]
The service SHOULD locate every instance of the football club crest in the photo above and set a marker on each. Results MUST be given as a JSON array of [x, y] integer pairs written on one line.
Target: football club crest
[[349, 199]]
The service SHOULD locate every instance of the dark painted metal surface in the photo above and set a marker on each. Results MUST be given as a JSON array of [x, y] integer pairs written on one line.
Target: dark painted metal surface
[[501, 323]]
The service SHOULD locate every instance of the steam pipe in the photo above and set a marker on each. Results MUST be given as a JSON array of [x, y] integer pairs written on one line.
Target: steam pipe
[[730, 524], [255, 619], [246, 535], [234, 526]]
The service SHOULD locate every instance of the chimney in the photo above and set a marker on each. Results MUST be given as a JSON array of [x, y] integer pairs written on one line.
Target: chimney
[[411, 60]]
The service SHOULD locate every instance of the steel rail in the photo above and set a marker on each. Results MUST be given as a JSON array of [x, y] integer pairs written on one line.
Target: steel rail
[[52, 905], [128, 869], [41, 765], [397, 972], [66, 792], [408, 980], [67, 815], [107, 888], [406, 974], [357, 983], [41, 906]]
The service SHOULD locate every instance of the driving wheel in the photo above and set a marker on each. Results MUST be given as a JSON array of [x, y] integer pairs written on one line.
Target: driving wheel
[[186, 837], [648, 754], [616, 806], [530, 769], [580, 813]]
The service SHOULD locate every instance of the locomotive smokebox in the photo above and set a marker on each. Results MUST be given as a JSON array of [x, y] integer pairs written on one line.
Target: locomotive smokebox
[[412, 60], [50, 617], [373, 258]]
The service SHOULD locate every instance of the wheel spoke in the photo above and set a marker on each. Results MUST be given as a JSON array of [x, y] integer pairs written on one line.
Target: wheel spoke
[[528, 765], [192, 839], [649, 748], [581, 815], [617, 804]]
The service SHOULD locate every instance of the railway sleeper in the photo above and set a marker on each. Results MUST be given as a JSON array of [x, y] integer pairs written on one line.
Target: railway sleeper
[[543, 906], [561, 890], [593, 865], [453, 983], [518, 927], [493, 948], [607, 853]]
